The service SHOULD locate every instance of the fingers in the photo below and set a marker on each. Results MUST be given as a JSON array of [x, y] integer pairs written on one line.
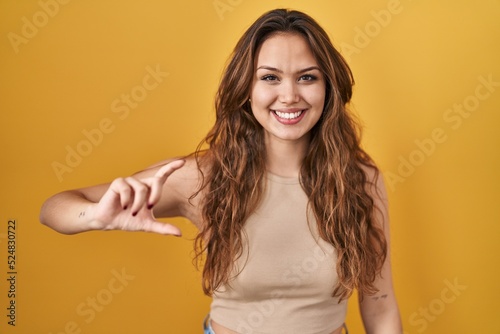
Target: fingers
[[140, 192], [131, 192], [136, 194], [164, 172], [159, 180], [162, 228], [123, 190]]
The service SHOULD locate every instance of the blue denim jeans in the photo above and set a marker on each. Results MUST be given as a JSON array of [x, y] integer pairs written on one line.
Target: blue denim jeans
[[207, 328]]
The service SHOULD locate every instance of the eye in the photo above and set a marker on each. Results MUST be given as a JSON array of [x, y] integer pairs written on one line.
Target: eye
[[308, 77], [269, 77]]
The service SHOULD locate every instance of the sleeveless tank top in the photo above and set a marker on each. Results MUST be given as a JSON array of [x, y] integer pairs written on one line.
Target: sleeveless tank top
[[286, 275]]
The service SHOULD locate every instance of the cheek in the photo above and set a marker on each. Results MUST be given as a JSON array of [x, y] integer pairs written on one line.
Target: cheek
[[321, 100], [316, 97], [262, 96], [321, 94]]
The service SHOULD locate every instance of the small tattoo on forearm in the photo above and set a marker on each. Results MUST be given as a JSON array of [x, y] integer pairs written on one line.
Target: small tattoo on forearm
[[379, 297], [82, 214]]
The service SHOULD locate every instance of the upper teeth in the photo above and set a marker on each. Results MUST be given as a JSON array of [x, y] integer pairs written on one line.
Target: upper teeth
[[288, 115]]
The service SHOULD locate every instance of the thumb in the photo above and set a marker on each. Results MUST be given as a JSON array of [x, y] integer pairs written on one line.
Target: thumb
[[155, 226]]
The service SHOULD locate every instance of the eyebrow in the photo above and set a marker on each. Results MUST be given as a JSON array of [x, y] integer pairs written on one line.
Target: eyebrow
[[270, 68]]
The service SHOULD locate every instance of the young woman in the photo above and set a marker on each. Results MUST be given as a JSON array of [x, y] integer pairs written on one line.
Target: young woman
[[292, 213]]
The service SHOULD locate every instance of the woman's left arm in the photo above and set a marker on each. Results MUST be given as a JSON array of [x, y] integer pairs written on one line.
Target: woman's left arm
[[380, 312]]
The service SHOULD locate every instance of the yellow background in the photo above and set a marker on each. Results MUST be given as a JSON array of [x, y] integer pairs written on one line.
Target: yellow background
[[410, 68]]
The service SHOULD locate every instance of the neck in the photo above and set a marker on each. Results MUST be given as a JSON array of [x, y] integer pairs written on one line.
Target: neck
[[284, 158]]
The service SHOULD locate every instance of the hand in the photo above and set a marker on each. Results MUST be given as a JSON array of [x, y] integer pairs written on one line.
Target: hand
[[128, 203]]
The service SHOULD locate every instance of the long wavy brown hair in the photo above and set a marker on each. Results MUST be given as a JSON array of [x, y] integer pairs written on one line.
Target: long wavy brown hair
[[332, 175]]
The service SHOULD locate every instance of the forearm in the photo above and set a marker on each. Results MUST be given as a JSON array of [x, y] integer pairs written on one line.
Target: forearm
[[68, 212], [386, 322]]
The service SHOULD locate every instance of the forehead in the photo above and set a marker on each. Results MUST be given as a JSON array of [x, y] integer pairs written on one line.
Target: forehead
[[285, 50]]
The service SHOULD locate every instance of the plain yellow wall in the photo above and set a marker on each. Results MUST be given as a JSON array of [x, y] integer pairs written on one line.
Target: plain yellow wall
[[427, 89]]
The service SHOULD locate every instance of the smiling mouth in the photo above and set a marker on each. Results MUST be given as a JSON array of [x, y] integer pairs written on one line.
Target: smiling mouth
[[288, 115]]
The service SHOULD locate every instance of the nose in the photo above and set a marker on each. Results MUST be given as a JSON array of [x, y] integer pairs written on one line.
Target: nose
[[289, 93]]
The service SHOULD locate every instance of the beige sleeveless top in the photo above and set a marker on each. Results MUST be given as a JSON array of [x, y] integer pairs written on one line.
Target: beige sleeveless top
[[287, 271]]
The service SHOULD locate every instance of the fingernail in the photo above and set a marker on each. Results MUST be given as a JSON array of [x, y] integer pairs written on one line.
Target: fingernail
[[134, 214], [125, 207], [150, 206]]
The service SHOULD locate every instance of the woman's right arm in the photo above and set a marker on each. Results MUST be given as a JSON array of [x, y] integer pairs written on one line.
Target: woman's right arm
[[124, 204]]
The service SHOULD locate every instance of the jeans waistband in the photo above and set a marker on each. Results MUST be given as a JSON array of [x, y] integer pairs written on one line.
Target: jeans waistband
[[207, 327]]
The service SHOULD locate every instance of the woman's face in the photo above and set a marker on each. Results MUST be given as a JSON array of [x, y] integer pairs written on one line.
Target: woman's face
[[288, 89]]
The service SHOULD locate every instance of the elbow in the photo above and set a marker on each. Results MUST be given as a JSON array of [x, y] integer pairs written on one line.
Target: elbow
[[43, 214], [47, 216]]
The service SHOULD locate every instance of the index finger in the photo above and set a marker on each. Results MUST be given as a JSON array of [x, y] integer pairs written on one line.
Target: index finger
[[160, 178], [164, 172]]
